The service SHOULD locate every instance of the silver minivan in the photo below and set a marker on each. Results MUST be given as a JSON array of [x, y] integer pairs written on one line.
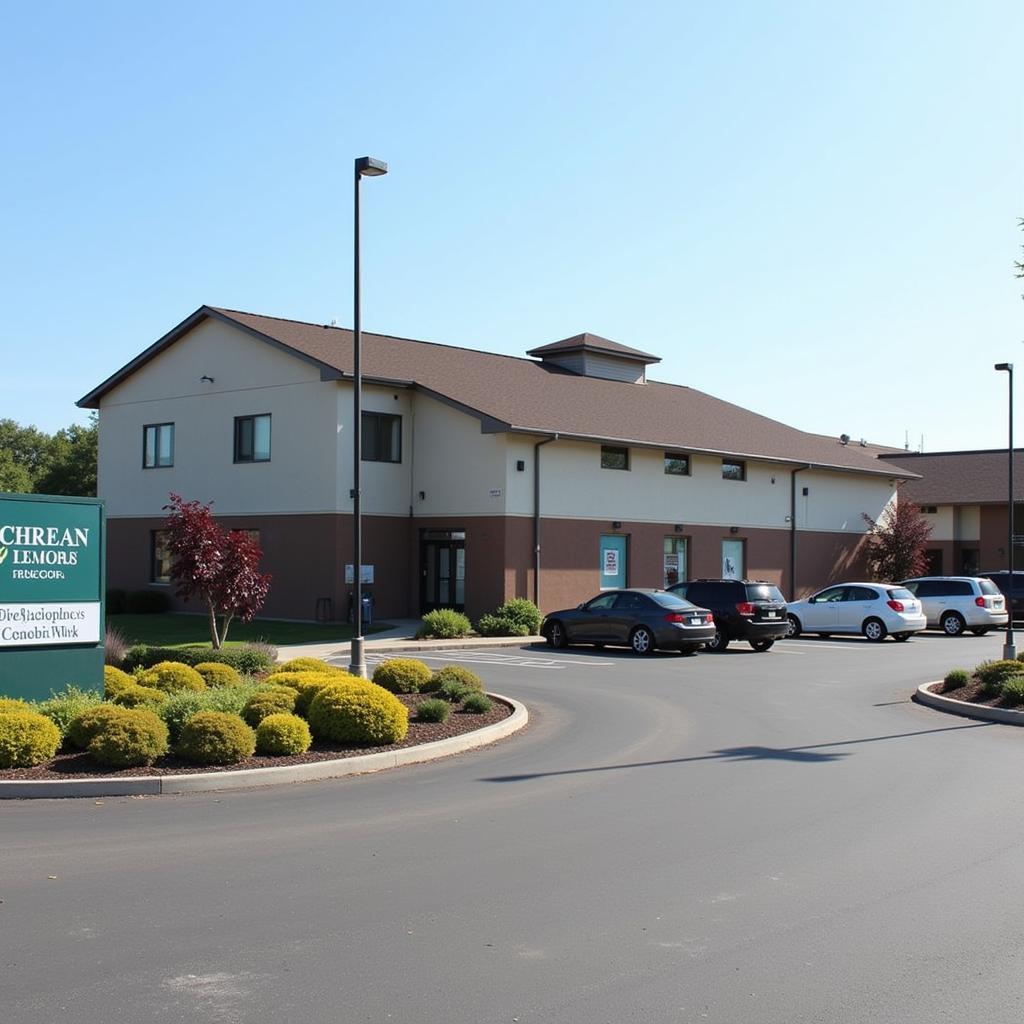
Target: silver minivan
[[956, 603]]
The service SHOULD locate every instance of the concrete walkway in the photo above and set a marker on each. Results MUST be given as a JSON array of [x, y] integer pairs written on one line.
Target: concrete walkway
[[400, 638]]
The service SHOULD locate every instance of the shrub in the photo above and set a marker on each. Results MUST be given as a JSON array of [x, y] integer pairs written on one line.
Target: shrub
[[445, 624], [496, 625], [454, 683], [133, 738], [247, 658], [955, 678], [115, 645], [216, 673], [523, 613], [14, 704], [216, 737], [114, 681], [358, 712], [305, 665], [992, 675], [172, 676], [282, 734], [26, 739], [117, 601], [89, 723], [401, 675], [64, 707], [147, 602], [136, 696], [433, 710], [251, 658], [477, 704], [1013, 690], [181, 706], [277, 700], [309, 684]]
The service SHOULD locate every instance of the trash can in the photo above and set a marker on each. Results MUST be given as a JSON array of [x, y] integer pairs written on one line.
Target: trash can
[[367, 609]]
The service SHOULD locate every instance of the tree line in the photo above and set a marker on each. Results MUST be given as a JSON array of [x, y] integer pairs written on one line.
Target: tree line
[[34, 462]]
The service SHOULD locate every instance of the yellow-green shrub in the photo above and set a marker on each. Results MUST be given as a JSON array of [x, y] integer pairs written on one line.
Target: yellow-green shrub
[[308, 684], [455, 682], [402, 675], [115, 681], [271, 701], [358, 712], [89, 723], [216, 673], [136, 696], [13, 704], [305, 665], [171, 676], [216, 737], [26, 739], [135, 737], [282, 734]]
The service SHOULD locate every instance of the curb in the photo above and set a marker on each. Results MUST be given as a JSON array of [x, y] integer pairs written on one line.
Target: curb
[[965, 708], [248, 778], [392, 647]]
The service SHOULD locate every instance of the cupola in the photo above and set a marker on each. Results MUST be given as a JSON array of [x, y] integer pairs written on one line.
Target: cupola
[[591, 356]]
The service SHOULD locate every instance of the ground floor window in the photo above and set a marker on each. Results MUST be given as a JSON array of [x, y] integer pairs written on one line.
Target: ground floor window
[[933, 556], [970, 561], [674, 561], [159, 557], [733, 567]]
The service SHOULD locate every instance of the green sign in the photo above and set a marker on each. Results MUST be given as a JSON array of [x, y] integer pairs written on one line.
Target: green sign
[[52, 554]]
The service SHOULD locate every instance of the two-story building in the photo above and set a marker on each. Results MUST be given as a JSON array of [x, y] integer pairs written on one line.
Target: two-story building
[[484, 476]]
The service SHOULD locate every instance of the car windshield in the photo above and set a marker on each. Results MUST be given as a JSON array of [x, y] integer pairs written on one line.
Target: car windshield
[[764, 592], [988, 587], [900, 594], [670, 600]]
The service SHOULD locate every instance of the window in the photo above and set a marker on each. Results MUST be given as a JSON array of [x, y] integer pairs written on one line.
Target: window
[[673, 561], [382, 437], [733, 470], [614, 458], [929, 510], [159, 557], [157, 445], [252, 438], [602, 603], [676, 464]]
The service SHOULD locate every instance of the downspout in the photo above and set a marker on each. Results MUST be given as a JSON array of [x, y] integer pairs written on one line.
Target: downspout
[[536, 516], [792, 529]]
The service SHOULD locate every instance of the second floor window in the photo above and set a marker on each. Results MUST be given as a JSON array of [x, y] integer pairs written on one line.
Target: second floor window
[[252, 438], [382, 437], [158, 445]]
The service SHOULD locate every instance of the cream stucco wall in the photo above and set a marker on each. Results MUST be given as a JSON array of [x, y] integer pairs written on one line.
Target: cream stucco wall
[[941, 522], [967, 523]]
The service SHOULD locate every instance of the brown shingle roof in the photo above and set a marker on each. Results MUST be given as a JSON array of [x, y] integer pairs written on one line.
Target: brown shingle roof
[[512, 393], [961, 478], [593, 343]]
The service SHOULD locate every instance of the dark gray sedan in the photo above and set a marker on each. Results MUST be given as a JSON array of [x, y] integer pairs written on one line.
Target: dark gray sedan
[[638, 618]]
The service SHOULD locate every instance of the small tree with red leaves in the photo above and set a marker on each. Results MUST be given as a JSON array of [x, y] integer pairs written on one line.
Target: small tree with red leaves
[[220, 569], [897, 541]]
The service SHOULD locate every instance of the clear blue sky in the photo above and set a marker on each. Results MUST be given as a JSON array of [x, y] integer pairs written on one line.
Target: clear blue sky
[[808, 209]]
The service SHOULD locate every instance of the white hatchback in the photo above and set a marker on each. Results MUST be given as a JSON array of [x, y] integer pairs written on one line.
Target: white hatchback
[[877, 610], [956, 603]]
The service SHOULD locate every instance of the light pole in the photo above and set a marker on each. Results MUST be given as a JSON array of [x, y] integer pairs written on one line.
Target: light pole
[[1009, 650], [368, 166]]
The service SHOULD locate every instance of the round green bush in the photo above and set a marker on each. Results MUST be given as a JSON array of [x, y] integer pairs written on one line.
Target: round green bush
[[433, 710], [172, 676], [496, 625], [134, 738], [136, 696], [115, 681], [270, 701], [401, 675], [445, 624], [216, 737], [955, 678], [454, 682], [305, 665], [216, 673], [477, 704], [181, 706], [1013, 690], [523, 613], [89, 723], [309, 684], [281, 734], [26, 739], [992, 674], [358, 712]]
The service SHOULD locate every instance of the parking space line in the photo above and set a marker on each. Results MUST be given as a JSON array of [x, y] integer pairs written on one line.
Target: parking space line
[[482, 657]]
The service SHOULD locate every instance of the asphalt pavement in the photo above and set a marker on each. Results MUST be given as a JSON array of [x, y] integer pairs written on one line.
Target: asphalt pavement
[[778, 837]]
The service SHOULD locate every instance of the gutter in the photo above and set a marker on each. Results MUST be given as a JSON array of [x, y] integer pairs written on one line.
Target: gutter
[[792, 529], [536, 516]]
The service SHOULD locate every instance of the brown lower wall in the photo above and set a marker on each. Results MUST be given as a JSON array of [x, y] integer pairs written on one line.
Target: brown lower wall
[[306, 555]]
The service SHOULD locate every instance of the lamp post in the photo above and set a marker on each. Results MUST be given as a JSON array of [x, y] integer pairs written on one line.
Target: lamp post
[[1009, 650], [371, 168]]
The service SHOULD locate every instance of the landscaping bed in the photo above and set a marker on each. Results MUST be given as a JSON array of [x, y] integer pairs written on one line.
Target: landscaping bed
[[77, 764], [992, 684]]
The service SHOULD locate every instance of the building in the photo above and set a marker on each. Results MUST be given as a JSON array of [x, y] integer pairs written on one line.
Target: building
[[964, 497], [485, 476]]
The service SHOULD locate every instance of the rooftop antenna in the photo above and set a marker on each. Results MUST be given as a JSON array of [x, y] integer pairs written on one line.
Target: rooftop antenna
[[906, 440], [921, 449]]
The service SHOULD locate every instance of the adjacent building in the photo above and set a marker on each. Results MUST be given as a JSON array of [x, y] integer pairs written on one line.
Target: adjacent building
[[484, 476]]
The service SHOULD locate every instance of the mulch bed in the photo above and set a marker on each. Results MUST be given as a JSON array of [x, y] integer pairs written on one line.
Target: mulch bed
[[972, 693], [78, 765]]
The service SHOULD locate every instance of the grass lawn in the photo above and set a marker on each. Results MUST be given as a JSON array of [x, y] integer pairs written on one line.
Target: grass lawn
[[176, 630]]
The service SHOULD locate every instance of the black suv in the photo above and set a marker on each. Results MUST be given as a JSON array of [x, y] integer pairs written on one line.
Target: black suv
[[744, 610]]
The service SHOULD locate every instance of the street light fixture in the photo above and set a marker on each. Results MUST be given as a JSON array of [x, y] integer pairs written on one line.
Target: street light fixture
[[1009, 650], [371, 168]]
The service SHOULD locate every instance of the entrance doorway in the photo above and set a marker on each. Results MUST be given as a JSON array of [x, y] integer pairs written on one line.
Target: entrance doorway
[[442, 570]]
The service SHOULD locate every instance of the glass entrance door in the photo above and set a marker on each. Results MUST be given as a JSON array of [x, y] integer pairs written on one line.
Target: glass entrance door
[[442, 569]]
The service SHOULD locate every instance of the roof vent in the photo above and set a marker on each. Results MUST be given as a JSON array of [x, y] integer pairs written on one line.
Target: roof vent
[[591, 356]]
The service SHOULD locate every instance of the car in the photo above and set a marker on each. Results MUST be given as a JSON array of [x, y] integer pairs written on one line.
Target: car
[[1014, 593], [877, 610], [751, 610], [956, 603], [643, 619]]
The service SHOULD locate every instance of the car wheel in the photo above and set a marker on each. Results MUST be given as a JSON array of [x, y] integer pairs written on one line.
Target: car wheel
[[952, 624], [795, 628], [874, 629], [901, 636], [642, 640], [979, 632], [762, 645], [556, 636], [718, 642]]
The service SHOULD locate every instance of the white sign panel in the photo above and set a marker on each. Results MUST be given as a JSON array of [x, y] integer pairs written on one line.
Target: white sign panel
[[365, 574], [29, 625], [610, 561]]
